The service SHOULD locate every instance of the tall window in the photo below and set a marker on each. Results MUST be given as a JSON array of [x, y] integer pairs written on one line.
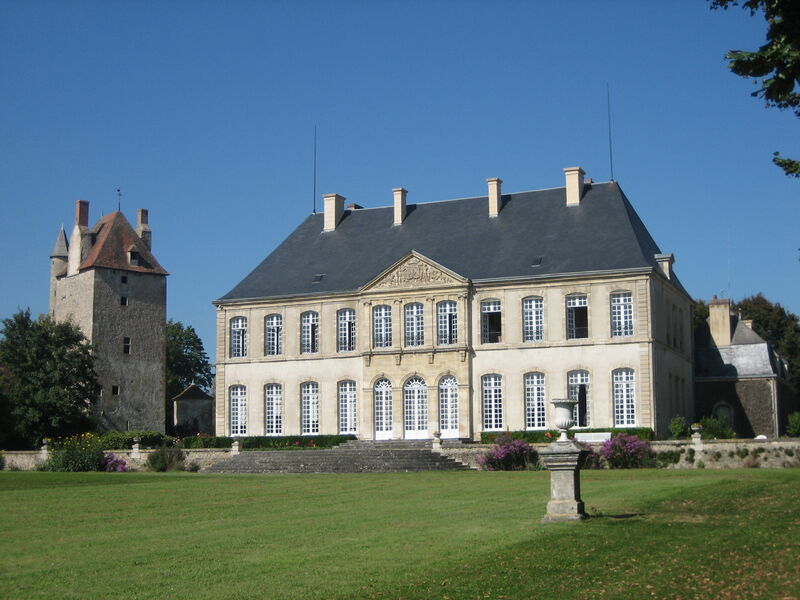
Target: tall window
[[491, 322], [273, 335], [624, 397], [447, 322], [238, 337], [382, 395], [577, 317], [382, 326], [534, 401], [415, 404], [309, 408], [273, 416], [448, 406], [347, 407], [578, 389], [621, 314], [346, 330], [532, 320], [415, 325], [492, 393], [309, 332], [126, 345], [238, 404]]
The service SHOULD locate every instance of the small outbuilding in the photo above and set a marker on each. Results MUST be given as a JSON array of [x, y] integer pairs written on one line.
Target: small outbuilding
[[193, 411]]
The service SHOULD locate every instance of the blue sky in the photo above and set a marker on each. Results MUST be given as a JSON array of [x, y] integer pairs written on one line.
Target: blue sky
[[203, 112]]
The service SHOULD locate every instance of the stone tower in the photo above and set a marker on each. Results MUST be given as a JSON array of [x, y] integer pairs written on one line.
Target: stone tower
[[107, 281]]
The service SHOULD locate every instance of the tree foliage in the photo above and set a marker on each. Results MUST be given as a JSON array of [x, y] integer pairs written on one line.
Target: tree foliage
[[777, 61], [47, 380], [187, 361]]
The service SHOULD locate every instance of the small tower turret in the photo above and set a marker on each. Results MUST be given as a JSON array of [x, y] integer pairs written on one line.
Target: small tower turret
[[59, 258]]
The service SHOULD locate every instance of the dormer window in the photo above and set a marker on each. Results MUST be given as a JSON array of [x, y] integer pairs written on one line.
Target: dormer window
[[134, 258]]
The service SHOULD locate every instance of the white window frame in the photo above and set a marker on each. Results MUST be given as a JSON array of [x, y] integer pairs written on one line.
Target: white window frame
[[273, 335], [491, 306], [621, 314], [347, 407], [346, 330], [535, 401], [309, 332], [574, 302], [575, 379], [533, 319], [273, 409], [237, 401], [492, 402], [448, 406], [447, 321], [415, 407], [624, 381], [414, 324], [382, 326], [238, 337], [309, 408], [382, 407]]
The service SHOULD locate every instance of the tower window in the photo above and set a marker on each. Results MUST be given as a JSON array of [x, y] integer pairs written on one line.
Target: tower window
[[126, 345], [123, 279], [123, 301], [115, 390]]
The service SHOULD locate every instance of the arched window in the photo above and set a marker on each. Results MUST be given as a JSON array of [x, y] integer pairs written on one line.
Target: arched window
[[238, 337], [273, 420], [624, 397], [534, 401], [621, 314], [415, 325], [273, 335], [492, 395], [346, 330], [347, 407], [309, 408], [578, 389], [382, 396], [447, 312], [237, 399], [724, 411], [309, 332], [532, 319], [448, 407], [382, 326], [415, 405]]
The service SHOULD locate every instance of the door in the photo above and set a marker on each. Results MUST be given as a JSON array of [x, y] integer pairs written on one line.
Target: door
[[382, 395], [415, 405]]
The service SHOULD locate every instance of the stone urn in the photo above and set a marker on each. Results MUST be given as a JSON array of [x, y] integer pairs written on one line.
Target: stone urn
[[565, 408]]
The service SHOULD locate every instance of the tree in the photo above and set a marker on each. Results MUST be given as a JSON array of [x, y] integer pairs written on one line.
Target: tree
[[47, 380], [187, 362], [778, 326], [777, 61]]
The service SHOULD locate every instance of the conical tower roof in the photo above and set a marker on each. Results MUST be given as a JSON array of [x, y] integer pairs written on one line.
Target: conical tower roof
[[60, 249]]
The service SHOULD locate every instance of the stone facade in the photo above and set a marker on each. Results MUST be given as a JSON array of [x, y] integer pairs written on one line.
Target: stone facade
[[107, 282], [414, 372]]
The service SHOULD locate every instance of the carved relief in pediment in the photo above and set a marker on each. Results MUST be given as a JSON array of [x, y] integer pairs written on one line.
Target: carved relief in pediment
[[412, 273]]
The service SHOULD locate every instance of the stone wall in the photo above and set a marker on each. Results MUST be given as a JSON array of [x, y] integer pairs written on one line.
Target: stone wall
[[26, 460]]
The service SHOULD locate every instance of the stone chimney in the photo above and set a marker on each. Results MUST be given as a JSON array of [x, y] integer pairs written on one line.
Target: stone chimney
[[334, 209], [79, 240], [495, 196], [665, 261], [748, 323], [143, 228], [720, 322], [399, 205], [574, 176]]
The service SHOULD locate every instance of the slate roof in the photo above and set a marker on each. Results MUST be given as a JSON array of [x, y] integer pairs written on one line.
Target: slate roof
[[193, 392], [60, 247], [748, 355], [113, 239], [603, 233]]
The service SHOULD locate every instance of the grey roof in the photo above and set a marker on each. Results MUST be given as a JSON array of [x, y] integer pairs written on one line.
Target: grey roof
[[60, 249], [746, 360], [742, 334], [603, 233]]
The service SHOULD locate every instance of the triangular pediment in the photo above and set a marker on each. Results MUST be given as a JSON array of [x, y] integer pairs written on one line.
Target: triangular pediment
[[415, 271]]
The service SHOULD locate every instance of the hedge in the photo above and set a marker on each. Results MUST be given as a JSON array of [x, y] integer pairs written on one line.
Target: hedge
[[119, 440], [289, 442], [206, 441], [541, 436]]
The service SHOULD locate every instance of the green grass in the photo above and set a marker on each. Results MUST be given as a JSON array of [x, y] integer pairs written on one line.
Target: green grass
[[460, 535]]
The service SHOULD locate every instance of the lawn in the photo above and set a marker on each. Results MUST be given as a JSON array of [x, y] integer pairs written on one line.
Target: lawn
[[452, 535]]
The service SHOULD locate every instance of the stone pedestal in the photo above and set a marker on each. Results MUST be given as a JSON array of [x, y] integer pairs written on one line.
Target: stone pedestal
[[564, 459]]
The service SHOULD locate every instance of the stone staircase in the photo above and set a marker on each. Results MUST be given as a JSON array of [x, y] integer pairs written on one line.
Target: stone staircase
[[354, 456]]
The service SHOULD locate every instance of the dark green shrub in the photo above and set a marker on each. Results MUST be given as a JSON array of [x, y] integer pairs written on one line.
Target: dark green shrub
[[166, 459], [715, 428], [289, 442], [120, 440], [793, 425], [2, 461], [83, 452], [668, 457], [690, 456], [788, 452], [677, 427], [546, 436], [206, 441], [742, 452], [716, 456]]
